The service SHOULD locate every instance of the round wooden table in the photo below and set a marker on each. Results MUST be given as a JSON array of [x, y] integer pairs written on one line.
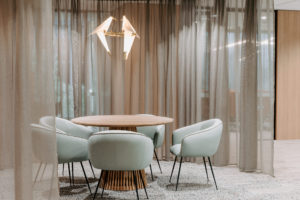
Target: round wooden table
[[122, 180]]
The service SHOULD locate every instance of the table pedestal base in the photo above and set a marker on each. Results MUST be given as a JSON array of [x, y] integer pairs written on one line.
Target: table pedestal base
[[122, 180]]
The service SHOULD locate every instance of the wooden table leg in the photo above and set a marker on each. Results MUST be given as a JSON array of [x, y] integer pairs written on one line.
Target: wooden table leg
[[123, 180]]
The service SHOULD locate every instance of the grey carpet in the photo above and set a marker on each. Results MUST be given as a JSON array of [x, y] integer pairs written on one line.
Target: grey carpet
[[232, 184]]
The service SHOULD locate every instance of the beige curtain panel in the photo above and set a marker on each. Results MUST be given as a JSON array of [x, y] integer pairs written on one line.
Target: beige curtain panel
[[28, 163], [194, 60]]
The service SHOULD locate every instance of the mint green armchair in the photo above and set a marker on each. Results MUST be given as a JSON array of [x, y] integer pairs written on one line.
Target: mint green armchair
[[69, 148], [121, 151], [43, 144], [198, 140], [157, 135], [70, 128], [72, 149]]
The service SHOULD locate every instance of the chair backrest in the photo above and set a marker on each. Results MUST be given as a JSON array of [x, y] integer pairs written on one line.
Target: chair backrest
[[203, 142], [67, 126], [120, 150], [43, 143], [71, 149], [156, 133]]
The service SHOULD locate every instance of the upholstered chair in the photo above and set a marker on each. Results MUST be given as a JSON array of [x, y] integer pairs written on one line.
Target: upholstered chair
[[70, 128], [72, 149], [198, 140], [157, 135], [121, 151], [69, 148], [43, 144]]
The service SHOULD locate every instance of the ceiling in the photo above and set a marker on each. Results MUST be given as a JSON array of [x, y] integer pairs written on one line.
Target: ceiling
[[287, 4]]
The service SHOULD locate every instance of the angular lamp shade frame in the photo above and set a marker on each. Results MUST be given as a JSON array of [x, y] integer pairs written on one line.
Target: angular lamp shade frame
[[128, 41], [129, 35], [102, 38], [128, 32]]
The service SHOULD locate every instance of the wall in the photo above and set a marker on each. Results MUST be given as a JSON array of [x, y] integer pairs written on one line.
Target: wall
[[288, 75]]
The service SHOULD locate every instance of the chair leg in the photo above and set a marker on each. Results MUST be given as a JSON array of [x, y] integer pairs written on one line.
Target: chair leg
[[37, 173], [73, 174], [157, 161], [173, 168], [212, 171], [151, 172], [92, 169], [98, 185], [136, 186], [143, 183], [205, 167], [86, 179], [179, 173], [63, 169], [52, 177], [43, 171], [105, 180], [69, 174]]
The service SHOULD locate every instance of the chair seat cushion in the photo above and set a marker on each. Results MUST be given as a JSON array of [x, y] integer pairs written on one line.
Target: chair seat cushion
[[175, 149]]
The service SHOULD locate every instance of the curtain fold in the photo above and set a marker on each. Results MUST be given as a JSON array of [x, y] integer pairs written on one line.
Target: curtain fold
[[248, 99], [26, 93], [194, 60], [218, 76]]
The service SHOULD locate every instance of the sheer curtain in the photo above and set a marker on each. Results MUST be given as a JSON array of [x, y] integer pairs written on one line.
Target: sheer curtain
[[194, 60], [26, 94]]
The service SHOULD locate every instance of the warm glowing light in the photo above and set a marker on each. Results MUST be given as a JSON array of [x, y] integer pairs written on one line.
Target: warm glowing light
[[128, 32], [103, 40], [128, 41], [101, 30], [129, 35]]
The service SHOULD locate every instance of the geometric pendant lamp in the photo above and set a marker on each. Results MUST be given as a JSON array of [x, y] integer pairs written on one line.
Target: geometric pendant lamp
[[128, 33]]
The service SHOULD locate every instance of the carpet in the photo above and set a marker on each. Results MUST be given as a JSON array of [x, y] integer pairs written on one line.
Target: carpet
[[232, 184]]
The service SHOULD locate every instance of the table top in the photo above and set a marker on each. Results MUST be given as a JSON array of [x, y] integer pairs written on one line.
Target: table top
[[122, 120]]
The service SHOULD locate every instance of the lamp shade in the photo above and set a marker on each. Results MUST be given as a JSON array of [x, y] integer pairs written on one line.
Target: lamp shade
[[128, 33]]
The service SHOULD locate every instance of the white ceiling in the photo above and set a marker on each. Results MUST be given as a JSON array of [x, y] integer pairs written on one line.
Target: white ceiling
[[287, 4]]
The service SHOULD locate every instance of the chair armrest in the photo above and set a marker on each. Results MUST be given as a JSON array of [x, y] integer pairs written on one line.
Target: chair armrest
[[202, 143], [159, 136]]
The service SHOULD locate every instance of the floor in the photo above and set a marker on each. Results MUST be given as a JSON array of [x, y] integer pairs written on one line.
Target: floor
[[287, 159], [193, 184], [285, 185]]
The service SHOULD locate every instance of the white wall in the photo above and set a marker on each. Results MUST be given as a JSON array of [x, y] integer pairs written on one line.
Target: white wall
[[287, 4]]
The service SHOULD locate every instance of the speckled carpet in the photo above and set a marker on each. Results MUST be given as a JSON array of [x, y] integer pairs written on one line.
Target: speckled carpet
[[232, 184]]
